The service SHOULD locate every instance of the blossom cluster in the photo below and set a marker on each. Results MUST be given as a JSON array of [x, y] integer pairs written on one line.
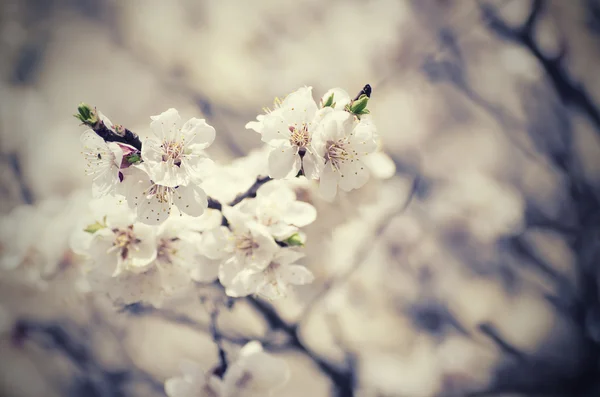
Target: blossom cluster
[[151, 232], [326, 143]]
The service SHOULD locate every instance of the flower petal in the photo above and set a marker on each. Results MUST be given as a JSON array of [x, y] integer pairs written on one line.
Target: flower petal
[[197, 166], [246, 282], [288, 256], [282, 161], [198, 132], [380, 165], [104, 183], [166, 125], [237, 219], [178, 387], [216, 243], [300, 214], [275, 128], [296, 275], [277, 190], [312, 164], [256, 125], [191, 199], [167, 174], [328, 183], [152, 151], [228, 271], [152, 209]]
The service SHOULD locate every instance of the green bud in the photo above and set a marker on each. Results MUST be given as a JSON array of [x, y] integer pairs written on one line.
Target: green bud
[[86, 114], [359, 106], [329, 102], [133, 158], [295, 240], [94, 227]]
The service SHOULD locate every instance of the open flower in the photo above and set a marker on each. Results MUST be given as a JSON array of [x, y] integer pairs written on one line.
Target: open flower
[[154, 201], [276, 207], [117, 242], [288, 130], [103, 162], [246, 244], [174, 156], [255, 373], [273, 281], [194, 383], [343, 142], [178, 257]]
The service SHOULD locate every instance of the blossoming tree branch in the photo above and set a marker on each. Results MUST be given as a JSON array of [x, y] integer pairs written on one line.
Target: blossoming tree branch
[[153, 230]]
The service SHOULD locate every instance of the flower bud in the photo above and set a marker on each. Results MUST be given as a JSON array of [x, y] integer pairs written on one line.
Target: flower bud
[[358, 107], [295, 240], [86, 114]]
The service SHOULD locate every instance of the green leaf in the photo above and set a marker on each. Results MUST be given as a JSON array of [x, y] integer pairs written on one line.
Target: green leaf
[[359, 106], [86, 114], [329, 101], [94, 227]]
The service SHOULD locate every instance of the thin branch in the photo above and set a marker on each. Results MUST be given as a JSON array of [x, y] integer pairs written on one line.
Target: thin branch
[[218, 338], [362, 252], [570, 91], [251, 192], [15, 164], [343, 380], [122, 134], [97, 379]]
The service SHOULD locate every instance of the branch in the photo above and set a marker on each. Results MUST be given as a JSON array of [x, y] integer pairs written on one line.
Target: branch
[[26, 193], [570, 91], [217, 338], [362, 252], [92, 118], [96, 380], [251, 192], [343, 380]]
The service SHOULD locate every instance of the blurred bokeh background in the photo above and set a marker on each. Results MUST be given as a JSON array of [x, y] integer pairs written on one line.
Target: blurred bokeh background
[[485, 283]]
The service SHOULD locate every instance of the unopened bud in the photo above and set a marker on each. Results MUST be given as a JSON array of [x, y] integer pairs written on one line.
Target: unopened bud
[[295, 240], [86, 114], [358, 107]]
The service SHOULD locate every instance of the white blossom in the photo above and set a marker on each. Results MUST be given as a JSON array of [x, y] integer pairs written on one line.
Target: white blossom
[[34, 239], [343, 142], [119, 243], [174, 156], [179, 258], [276, 207], [103, 162], [245, 244], [273, 281], [194, 383], [255, 373], [153, 202], [288, 130]]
